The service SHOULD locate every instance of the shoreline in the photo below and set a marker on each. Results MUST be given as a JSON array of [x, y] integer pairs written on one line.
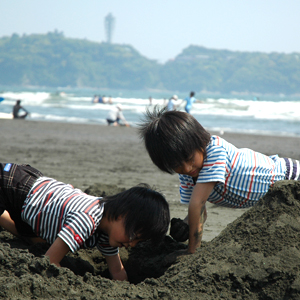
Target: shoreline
[[219, 131], [84, 154]]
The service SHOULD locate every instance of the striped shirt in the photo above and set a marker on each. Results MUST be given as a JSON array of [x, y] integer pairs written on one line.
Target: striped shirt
[[55, 209], [243, 176]]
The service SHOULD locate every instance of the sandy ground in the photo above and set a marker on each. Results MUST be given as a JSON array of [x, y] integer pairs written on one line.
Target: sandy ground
[[83, 155]]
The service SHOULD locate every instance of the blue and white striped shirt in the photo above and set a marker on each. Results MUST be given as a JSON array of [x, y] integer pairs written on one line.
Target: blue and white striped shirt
[[243, 176], [55, 209]]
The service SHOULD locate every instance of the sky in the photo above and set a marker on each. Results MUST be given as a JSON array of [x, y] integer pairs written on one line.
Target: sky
[[161, 29]]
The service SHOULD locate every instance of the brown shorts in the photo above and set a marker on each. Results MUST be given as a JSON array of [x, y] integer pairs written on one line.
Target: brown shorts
[[15, 183]]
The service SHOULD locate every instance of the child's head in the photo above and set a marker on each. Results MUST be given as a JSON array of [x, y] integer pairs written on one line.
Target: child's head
[[172, 137], [145, 211]]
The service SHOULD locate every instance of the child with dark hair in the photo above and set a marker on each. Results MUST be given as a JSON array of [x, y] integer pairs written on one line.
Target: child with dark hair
[[42, 209], [209, 168]]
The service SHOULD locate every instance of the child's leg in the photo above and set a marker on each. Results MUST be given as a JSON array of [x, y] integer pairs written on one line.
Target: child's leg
[[292, 169], [7, 223]]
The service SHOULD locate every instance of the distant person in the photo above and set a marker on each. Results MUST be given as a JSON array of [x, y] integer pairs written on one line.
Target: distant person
[[41, 209], [16, 111], [116, 117], [99, 99], [172, 103], [95, 99], [189, 102], [150, 100], [104, 100]]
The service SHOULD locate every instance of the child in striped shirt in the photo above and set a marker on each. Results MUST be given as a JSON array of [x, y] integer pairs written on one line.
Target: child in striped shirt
[[209, 168], [42, 209]]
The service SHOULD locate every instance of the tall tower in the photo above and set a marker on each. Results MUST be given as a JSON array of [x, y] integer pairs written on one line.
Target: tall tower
[[109, 23]]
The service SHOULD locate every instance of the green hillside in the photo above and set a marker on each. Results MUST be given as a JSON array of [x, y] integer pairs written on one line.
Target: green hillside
[[226, 71], [53, 60]]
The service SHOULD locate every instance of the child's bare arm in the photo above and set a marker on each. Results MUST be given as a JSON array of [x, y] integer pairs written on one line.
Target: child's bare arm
[[57, 251], [197, 214], [116, 268]]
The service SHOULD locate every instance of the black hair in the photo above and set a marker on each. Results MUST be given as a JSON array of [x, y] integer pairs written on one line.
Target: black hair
[[172, 137], [145, 210], [192, 94]]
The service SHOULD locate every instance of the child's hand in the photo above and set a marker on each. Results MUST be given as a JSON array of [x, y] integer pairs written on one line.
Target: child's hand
[[116, 268], [121, 275], [179, 230]]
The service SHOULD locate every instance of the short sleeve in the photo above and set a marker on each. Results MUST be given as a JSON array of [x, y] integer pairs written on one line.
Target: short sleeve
[[186, 188], [73, 233], [104, 247], [214, 166]]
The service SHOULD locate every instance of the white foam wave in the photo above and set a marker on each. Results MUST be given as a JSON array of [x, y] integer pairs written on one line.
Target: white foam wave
[[27, 98], [77, 107]]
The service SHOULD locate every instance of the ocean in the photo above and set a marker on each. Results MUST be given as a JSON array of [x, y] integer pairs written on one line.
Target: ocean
[[266, 115]]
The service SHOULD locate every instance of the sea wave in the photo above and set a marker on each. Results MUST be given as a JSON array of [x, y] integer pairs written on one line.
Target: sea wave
[[278, 116]]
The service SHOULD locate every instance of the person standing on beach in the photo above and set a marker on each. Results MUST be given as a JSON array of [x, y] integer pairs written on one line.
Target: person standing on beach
[[16, 111], [210, 169], [172, 103], [42, 209], [189, 102], [115, 116]]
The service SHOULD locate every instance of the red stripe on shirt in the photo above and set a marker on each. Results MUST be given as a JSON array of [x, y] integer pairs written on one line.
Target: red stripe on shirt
[[37, 230], [87, 210], [216, 163], [226, 181], [39, 186], [63, 209]]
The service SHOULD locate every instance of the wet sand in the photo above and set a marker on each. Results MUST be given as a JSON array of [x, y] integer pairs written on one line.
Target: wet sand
[[84, 155]]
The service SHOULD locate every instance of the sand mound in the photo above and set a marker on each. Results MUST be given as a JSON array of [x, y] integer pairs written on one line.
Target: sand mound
[[255, 257]]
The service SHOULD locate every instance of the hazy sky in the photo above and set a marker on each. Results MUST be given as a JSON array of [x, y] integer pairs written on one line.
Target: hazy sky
[[161, 29]]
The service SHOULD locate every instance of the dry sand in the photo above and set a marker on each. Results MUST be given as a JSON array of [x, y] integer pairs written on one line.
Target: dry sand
[[230, 266]]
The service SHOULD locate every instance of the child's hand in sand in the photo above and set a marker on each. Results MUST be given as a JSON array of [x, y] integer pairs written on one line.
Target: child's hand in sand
[[179, 230]]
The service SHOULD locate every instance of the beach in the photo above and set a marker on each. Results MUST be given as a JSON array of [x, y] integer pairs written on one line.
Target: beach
[[83, 155]]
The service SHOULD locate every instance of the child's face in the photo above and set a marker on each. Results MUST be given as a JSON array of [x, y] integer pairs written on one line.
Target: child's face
[[118, 236], [193, 166]]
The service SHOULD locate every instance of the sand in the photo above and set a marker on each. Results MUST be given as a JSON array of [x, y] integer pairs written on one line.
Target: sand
[[246, 254]]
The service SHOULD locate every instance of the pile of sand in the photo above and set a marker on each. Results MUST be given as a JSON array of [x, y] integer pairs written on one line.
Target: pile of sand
[[255, 257]]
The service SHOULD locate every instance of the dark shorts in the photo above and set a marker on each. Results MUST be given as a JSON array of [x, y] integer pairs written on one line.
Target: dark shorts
[[109, 121], [292, 169], [15, 183]]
